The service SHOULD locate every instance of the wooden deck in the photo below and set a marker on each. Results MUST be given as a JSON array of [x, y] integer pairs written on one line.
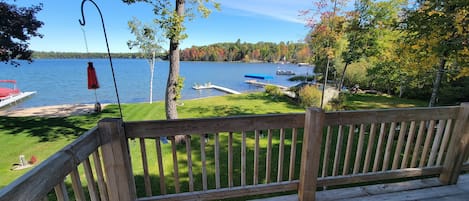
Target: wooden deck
[[422, 190]]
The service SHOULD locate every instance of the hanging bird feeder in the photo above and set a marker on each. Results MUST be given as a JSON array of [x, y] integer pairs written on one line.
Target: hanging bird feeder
[[93, 84]]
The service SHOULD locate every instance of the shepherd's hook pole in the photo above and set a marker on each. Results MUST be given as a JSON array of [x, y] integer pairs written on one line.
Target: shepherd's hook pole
[[82, 23]]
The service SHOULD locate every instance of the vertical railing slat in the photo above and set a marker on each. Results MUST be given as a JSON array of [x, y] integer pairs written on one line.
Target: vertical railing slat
[[358, 155], [428, 140], [204, 162], [243, 159], [400, 143], [444, 142], [177, 187], [61, 192], [408, 145], [159, 156], [348, 152], [389, 145], [217, 160], [90, 180], [76, 185], [256, 158], [281, 151], [327, 150], [230, 159], [371, 142], [268, 159], [436, 142], [100, 176], [338, 151], [146, 174], [379, 147], [291, 173], [417, 145], [190, 173]]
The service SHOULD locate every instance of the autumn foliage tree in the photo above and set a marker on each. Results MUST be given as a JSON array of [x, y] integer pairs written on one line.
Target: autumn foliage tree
[[17, 26]]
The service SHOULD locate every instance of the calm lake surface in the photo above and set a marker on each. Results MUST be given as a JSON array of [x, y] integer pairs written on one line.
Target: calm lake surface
[[64, 81]]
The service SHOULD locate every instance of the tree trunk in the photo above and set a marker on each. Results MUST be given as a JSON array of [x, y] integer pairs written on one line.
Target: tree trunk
[[437, 82], [170, 103], [341, 84], [152, 70]]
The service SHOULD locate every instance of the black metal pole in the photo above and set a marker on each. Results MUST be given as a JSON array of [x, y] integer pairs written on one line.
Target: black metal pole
[[82, 23]]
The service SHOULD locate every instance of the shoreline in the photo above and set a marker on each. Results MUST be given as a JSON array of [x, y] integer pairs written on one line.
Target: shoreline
[[51, 111]]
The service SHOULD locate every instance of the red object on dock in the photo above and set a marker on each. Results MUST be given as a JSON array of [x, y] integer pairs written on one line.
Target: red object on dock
[[5, 92]]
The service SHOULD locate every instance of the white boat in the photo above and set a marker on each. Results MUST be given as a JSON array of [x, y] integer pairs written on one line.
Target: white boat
[[12, 95], [285, 72]]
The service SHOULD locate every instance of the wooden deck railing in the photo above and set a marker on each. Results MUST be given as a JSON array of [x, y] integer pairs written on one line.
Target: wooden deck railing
[[251, 155]]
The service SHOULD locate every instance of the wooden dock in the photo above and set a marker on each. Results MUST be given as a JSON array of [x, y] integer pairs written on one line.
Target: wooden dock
[[219, 88], [16, 98], [263, 84]]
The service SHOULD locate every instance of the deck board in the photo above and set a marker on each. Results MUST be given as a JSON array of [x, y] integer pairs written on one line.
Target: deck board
[[422, 190]]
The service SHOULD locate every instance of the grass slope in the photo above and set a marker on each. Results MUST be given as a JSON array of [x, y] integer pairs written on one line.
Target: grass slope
[[44, 136]]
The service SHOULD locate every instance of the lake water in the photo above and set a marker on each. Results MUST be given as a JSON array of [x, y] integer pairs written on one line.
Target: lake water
[[64, 81]]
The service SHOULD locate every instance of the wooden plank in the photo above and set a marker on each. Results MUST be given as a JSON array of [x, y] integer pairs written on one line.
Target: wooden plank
[[408, 145], [268, 159], [243, 158], [100, 176], [389, 115], [348, 151], [230, 159], [311, 153], [358, 155], [369, 148], [426, 146], [159, 157], [256, 158], [61, 192], [177, 186], [203, 160], [445, 141], [327, 150], [76, 185], [418, 142], [281, 151], [224, 193], [436, 142], [291, 173], [187, 138], [400, 143], [217, 160], [90, 180], [146, 174], [389, 144], [338, 151], [151, 129], [458, 149], [116, 160], [378, 176], [37, 182], [379, 147]]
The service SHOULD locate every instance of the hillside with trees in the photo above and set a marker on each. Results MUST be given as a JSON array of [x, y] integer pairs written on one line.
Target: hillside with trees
[[249, 52]]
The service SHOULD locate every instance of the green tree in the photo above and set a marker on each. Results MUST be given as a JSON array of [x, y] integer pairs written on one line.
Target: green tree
[[440, 28], [147, 42], [17, 26], [170, 17]]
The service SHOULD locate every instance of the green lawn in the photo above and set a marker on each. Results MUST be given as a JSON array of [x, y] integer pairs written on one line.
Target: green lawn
[[44, 136]]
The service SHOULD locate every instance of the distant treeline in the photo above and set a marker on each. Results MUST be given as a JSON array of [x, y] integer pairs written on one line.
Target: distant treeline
[[79, 55], [249, 52]]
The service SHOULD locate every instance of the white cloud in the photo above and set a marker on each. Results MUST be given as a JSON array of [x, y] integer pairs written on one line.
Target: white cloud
[[286, 10]]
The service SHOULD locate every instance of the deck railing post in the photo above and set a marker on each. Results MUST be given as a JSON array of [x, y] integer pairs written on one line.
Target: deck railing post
[[458, 148], [116, 160], [311, 152]]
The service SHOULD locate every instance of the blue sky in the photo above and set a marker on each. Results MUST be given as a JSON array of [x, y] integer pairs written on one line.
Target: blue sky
[[247, 20]]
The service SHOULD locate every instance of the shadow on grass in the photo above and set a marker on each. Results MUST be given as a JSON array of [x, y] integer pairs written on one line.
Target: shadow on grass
[[51, 129]]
